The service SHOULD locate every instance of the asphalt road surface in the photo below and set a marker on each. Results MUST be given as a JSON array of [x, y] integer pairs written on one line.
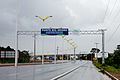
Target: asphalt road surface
[[85, 71]]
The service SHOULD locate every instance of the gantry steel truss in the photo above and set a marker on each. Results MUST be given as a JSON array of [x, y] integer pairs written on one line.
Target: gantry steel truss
[[28, 33], [85, 32], [73, 32]]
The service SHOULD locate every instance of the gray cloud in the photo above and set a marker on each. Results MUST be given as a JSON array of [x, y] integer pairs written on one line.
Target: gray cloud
[[73, 14]]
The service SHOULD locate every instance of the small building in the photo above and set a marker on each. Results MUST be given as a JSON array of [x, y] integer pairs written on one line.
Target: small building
[[7, 56]]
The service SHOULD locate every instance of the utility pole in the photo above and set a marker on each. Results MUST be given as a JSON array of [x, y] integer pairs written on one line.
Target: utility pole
[[103, 52], [103, 45], [96, 50]]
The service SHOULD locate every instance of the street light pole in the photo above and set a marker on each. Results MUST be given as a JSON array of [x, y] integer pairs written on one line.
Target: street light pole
[[16, 51], [34, 47], [43, 50], [43, 19]]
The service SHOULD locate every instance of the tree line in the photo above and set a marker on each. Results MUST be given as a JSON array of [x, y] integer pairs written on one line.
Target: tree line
[[23, 56], [114, 59]]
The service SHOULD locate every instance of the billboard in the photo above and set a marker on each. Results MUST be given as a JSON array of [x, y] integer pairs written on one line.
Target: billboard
[[54, 31]]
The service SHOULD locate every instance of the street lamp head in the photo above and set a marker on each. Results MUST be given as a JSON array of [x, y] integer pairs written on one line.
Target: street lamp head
[[43, 18]]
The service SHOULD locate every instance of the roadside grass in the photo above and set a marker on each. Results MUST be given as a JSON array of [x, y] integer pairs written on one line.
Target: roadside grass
[[106, 67]]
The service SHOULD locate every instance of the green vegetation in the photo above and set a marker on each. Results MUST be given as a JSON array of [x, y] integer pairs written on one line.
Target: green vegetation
[[94, 50], [106, 67], [6, 49], [7, 60], [114, 59], [112, 63], [23, 57]]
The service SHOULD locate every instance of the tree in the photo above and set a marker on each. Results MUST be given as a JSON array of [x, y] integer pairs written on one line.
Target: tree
[[94, 50], [116, 57], [110, 59], [113, 59], [2, 49], [24, 57], [8, 48]]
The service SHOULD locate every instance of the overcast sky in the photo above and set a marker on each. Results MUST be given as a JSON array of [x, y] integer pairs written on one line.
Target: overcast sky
[[72, 14]]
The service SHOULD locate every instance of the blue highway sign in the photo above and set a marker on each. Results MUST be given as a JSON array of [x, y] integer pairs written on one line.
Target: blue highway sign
[[54, 31]]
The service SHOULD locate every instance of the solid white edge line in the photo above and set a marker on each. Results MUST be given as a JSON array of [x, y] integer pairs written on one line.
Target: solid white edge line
[[61, 75]]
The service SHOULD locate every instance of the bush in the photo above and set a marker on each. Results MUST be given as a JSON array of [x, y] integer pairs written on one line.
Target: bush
[[23, 57], [7, 60]]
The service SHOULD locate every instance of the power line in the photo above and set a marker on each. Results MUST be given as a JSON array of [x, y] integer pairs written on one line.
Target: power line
[[112, 12], [114, 18], [113, 33], [112, 8], [116, 15], [106, 11]]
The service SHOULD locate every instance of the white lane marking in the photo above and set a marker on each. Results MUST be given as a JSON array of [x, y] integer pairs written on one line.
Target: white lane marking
[[61, 75]]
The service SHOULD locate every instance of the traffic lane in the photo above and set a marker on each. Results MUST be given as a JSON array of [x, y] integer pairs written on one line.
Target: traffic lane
[[51, 75], [23, 69], [47, 74], [11, 73], [31, 72], [86, 72], [43, 74]]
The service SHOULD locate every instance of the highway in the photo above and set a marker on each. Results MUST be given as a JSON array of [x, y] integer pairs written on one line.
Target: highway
[[86, 72], [82, 70]]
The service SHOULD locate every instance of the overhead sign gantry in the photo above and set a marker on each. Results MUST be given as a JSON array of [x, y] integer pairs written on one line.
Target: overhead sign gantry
[[64, 32]]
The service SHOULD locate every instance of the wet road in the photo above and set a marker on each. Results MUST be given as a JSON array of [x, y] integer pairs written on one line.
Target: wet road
[[86, 71]]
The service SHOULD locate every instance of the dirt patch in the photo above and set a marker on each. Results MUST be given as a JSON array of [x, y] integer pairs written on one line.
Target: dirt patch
[[117, 75]]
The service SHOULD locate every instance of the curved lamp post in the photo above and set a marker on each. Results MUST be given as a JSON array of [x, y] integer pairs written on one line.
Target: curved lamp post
[[43, 19]]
